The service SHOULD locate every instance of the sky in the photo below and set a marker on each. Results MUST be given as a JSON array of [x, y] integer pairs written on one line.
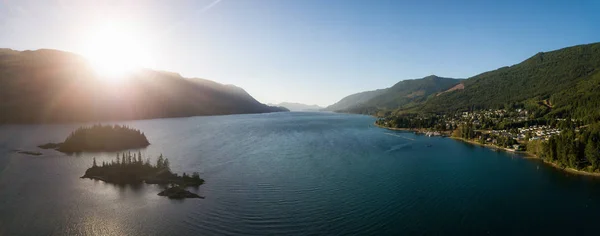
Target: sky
[[306, 51]]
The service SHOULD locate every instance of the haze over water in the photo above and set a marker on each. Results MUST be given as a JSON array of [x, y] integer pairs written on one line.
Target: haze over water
[[292, 174]]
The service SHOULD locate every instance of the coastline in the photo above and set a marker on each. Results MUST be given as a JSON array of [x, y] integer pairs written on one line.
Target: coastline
[[418, 131], [528, 155], [525, 155]]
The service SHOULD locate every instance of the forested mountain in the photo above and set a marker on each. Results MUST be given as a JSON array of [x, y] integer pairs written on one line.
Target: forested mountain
[[407, 93], [404, 94], [354, 100], [293, 106], [53, 86], [559, 83]]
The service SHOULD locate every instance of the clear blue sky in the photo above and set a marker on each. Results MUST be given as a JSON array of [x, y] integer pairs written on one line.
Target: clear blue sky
[[313, 51]]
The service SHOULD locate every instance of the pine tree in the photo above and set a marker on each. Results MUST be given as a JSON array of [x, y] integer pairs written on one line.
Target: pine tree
[[166, 165], [592, 154], [94, 163], [160, 162]]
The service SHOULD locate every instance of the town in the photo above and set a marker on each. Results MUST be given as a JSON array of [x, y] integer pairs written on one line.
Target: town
[[510, 129]]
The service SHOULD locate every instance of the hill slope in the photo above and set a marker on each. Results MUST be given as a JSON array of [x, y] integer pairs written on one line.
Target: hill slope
[[54, 86], [404, 94], [354, 100], [559, 76], [411, 92]]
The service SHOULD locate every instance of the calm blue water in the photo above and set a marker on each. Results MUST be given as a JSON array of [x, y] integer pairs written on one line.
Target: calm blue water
[[293, 174]]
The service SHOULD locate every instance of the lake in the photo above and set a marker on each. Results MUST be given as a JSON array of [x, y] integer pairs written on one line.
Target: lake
[[292, 174]]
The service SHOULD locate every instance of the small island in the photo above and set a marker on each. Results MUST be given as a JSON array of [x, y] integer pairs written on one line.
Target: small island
[[100, 138], [132, 169], [31, 153], [177, 192]]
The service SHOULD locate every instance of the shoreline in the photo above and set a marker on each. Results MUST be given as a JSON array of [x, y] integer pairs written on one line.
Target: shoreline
[[525, 155], [528, 155], [418, 131]]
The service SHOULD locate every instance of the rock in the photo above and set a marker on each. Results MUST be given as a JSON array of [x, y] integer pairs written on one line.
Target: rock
[[178, 193], [29, 153], [50, 146]]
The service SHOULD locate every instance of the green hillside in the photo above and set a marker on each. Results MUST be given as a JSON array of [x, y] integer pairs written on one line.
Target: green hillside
[[405, 94], [354, 100], [411, 91], [559, 83]]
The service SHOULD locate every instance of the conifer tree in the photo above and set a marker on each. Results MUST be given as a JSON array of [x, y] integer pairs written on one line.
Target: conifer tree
[[166, 165], [160, 162]]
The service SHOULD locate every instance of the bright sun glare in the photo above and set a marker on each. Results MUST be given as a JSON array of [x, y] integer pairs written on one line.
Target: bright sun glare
[[114, 51]]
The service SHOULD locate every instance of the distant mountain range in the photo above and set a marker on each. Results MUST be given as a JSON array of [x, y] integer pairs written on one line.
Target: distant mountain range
[[54, 86], [292, 106], [404, 94], [561, 83]]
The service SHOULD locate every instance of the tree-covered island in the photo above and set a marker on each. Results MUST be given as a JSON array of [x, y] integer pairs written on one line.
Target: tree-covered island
[[132, 169], [100, 138]]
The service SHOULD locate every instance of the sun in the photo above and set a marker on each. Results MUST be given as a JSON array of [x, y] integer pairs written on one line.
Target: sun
[[115, 51]]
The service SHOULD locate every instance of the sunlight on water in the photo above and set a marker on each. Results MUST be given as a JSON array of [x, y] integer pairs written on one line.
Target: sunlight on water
[[289, 174]]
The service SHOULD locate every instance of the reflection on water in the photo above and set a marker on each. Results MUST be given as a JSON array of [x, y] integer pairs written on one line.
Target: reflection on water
[[291, 173]]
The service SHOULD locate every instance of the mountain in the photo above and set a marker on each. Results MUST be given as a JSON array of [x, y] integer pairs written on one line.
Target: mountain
[[54, 86], [404, 94], [407, 93], [292, 106], [354, 100], [559, 83]]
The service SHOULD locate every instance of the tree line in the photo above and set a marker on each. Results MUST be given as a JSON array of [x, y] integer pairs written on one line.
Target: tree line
[[577, 150]]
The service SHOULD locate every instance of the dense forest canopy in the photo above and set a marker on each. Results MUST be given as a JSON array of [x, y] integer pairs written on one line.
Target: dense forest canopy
[[99, 138], [565, 80], [354, 100], [564, 83], [131, 168], [404, 94]]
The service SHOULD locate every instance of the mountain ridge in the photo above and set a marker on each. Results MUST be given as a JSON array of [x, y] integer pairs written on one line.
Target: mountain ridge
[[404, 93], [353, 100], [543, 76], [52, 86]]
